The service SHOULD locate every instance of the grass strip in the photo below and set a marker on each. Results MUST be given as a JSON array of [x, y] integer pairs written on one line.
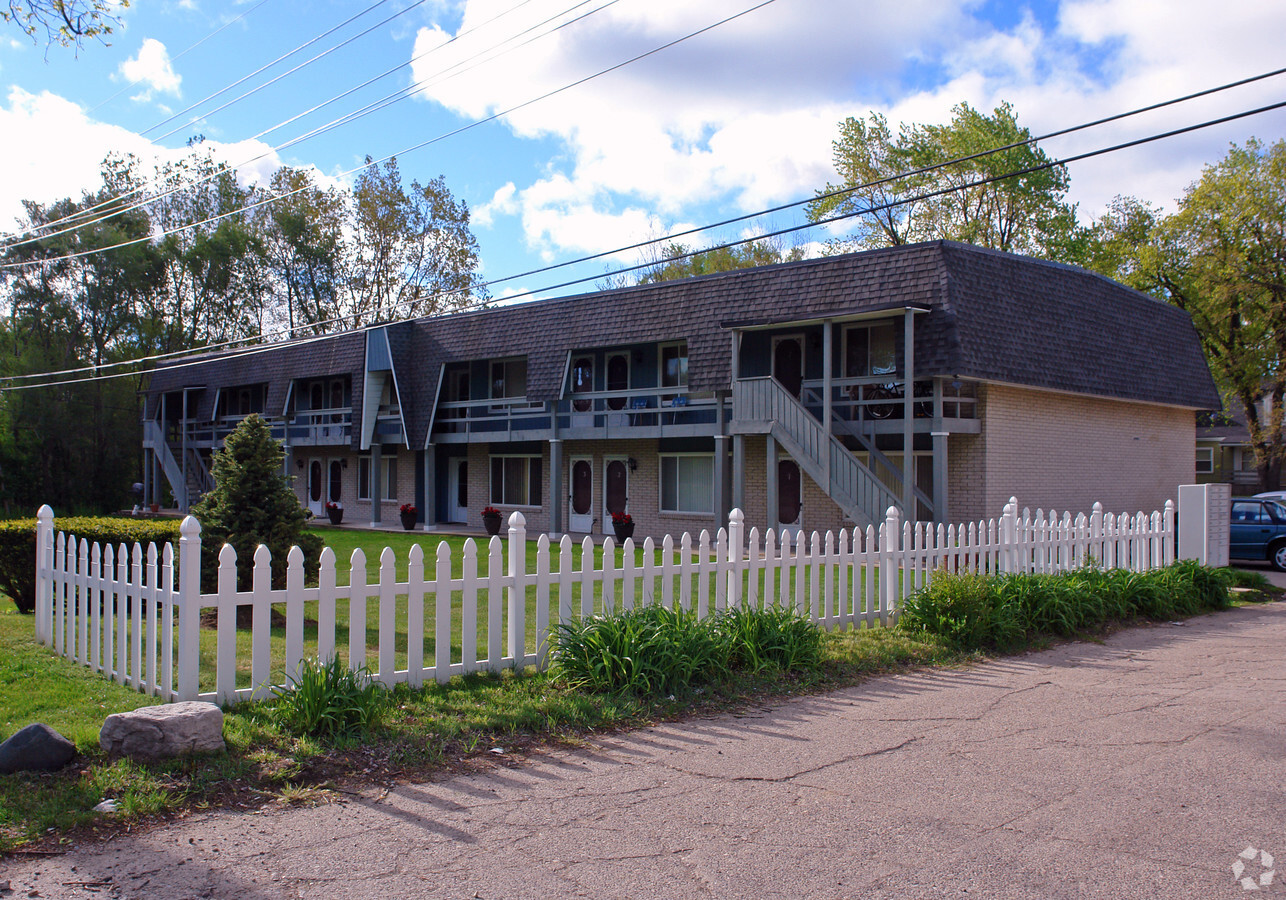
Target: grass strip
[[439, 729]]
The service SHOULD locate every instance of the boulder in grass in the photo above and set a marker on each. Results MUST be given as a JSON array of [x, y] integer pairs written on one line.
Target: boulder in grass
[[36, 748], [159, 732]]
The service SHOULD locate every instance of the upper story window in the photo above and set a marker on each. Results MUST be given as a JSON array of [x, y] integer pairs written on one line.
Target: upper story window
[[508, 378], [241, 401], [674, 365], [870, 350], [388, 396]]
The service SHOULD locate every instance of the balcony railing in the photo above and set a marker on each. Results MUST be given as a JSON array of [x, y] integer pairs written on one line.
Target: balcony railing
[[649, 411], [880, 397], [661, 408], [316, 427], [495, 417], [310, 428]]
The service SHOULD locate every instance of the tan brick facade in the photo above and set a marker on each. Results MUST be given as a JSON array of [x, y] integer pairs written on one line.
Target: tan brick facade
[[1064, 452], [1052, 451], [355, 511]]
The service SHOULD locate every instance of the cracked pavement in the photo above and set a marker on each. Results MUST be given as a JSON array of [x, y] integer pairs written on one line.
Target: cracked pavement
[[1138, 767]]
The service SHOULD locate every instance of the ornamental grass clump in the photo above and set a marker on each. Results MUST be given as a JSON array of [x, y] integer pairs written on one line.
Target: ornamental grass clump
[[329, 700], [655, 650], [1006, 612]]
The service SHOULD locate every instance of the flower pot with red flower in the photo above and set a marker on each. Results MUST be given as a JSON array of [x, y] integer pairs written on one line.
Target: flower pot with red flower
[[491, 520], [334, 512], [407, 512], [623, 525]]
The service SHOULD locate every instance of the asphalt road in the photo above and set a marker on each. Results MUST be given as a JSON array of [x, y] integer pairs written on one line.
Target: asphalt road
[[1139, 767]]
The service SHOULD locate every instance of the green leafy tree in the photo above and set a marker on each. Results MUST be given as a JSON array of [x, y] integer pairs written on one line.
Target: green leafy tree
[[675, 263], [252, 504], [411, 254], [1221, 257], [1022, 213]]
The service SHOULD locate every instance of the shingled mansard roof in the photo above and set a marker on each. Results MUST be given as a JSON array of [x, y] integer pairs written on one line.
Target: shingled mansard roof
[[990, 316]]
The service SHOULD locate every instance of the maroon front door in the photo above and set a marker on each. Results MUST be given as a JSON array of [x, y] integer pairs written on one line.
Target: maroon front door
[[315, 481], [618, 378], [789, 499], [582, 495], [787, 365], [616, 488]]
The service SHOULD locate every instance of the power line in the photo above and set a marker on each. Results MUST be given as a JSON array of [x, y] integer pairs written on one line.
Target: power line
[[978, 182], [81, 218], [243, 79], [419, 146], [289, 72], [182, 53]]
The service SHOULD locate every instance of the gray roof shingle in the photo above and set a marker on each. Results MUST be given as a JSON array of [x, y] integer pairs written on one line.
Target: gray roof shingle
[[991, 316]]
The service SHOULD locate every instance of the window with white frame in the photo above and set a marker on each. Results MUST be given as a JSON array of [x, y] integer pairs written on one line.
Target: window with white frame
[[515, 480], [1205, 460], [687, 483], [388, 478]]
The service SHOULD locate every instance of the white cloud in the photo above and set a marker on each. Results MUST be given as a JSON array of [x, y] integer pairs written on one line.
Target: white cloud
[[61, 149], [151, 67], [744, 115]]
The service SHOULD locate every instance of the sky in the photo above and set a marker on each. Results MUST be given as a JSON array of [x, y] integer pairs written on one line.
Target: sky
[[731, 121]]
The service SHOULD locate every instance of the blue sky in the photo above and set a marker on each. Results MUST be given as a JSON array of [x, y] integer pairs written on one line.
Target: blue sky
[[735, 120]]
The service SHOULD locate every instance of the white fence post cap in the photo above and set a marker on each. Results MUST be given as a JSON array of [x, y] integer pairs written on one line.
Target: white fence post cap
[[45, 514], [517, 519], [189, 527]]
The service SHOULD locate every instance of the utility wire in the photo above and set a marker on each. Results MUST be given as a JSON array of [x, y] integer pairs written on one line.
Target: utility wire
[[180, 54], [405, 93], [243, 79], [308, 62], [419, 146], [82, 218], [926, 195]]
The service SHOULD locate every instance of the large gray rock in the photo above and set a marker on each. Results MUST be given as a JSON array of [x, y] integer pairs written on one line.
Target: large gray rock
[[157, 732], [36, 748]]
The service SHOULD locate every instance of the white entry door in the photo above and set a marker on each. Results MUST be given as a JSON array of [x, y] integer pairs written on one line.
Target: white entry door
[[316, 491], [458, 491], [580, 514]]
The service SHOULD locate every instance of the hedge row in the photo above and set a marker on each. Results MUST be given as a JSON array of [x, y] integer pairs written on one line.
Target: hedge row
[[18, 546], [1006, 612]]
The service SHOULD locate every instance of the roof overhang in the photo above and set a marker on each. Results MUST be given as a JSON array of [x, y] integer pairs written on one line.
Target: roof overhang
[[872, 312]]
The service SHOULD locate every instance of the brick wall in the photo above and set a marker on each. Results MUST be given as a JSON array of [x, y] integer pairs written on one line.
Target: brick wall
[[355, 510], [1064, 452]]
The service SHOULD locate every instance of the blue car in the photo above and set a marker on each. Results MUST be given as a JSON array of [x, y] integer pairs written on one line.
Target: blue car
[[1258, 531]]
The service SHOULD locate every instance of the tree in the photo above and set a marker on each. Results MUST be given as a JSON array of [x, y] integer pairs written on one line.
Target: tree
[[252, 504], [303, 239], [675, 263], [1023, 213], [65, 22], [1221, 257], [412, 254]]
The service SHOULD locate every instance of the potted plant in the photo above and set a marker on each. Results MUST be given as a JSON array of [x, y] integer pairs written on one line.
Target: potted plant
[[623, 525], [407, 512], [491, 520], [334, 512]]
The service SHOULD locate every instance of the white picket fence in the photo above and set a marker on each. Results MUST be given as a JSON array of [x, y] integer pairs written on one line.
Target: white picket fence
[[120, 612]]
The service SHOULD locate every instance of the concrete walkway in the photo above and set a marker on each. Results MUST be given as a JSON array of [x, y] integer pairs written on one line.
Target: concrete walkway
[[1140, 767]]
